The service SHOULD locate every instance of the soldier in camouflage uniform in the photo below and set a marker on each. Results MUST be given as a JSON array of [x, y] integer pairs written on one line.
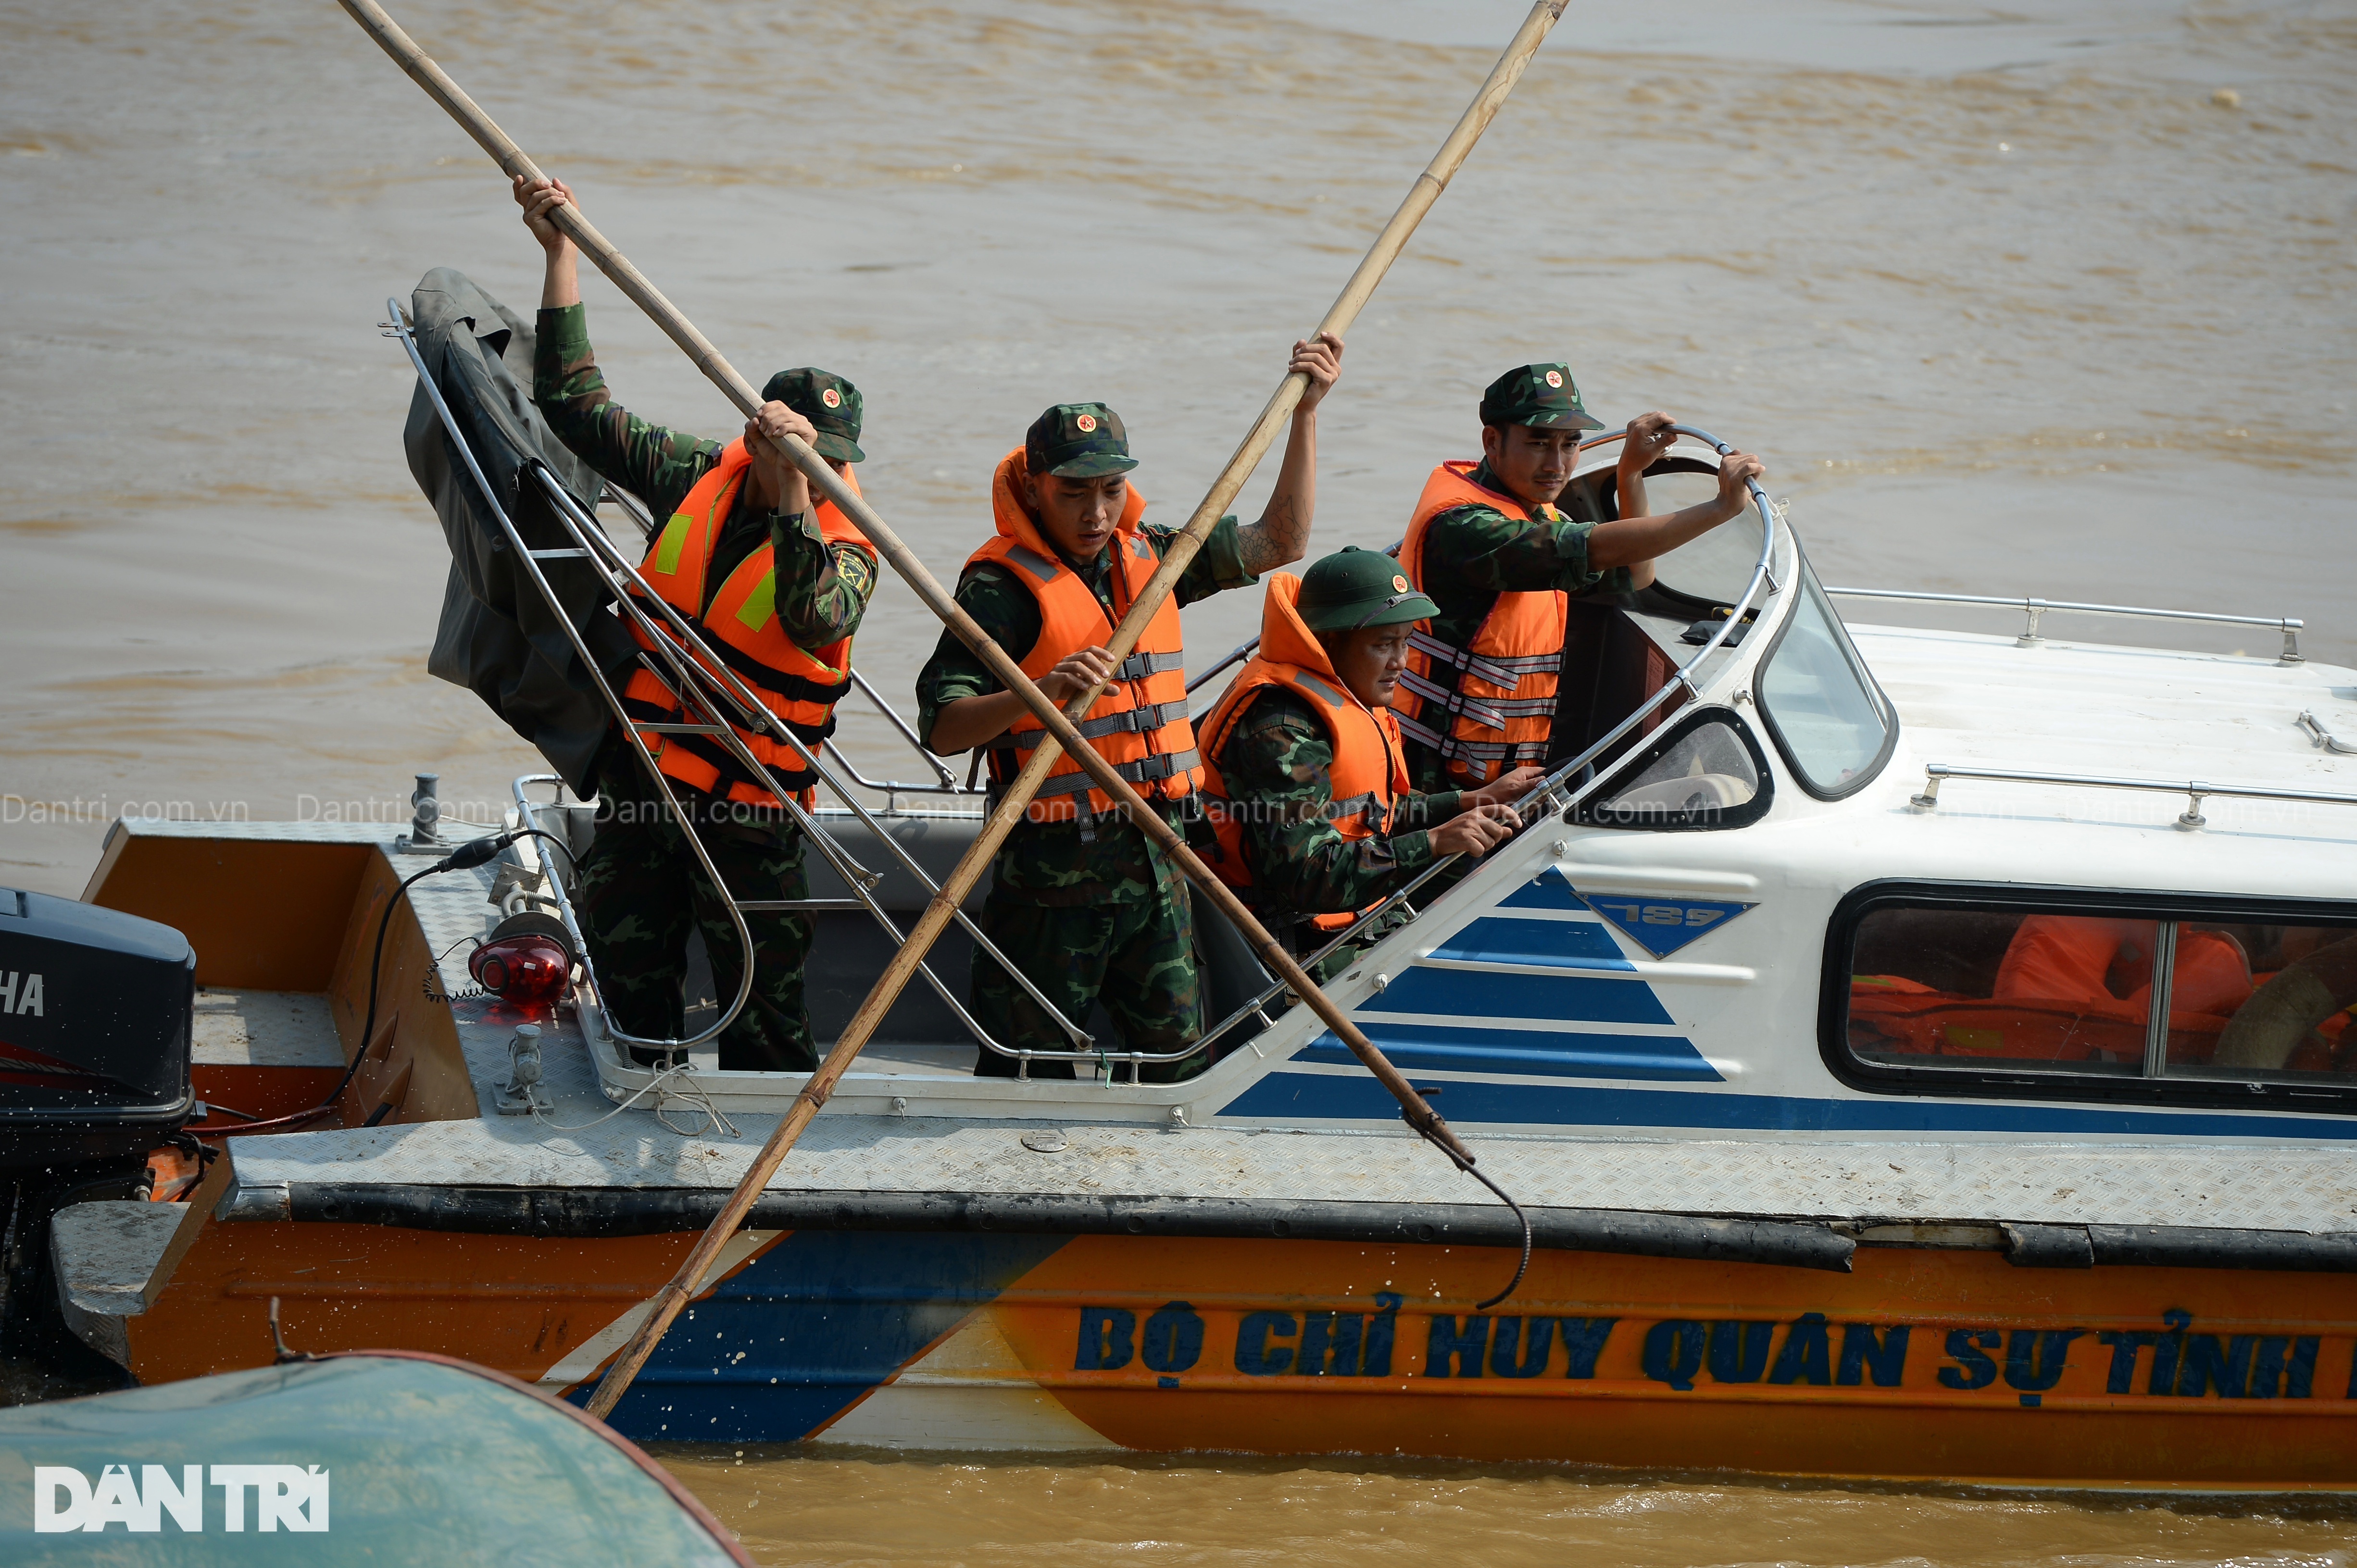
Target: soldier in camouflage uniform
[[642, 890], [1086, 905], [1275, 763], [1532, 421]]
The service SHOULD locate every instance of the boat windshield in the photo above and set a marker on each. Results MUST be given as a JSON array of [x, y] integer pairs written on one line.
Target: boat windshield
[[1715, 567], [1829, 719]]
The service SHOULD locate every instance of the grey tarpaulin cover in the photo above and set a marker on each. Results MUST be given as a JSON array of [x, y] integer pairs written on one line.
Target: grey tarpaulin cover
[[499, 637]]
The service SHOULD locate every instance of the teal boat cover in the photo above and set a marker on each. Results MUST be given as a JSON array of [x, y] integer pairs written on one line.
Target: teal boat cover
[[379, 1459]]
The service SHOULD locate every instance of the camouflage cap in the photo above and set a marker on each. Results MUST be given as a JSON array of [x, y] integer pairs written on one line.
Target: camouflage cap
[[1354, 588], [1539, 395], [829, 403], [1077, 441]]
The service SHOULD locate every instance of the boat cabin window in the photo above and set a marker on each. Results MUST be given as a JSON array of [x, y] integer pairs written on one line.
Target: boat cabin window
[[1998, 993], [1706, 772], [1828, 718]]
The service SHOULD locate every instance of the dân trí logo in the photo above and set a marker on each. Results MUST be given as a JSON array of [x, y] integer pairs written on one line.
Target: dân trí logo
[[285, 1496]]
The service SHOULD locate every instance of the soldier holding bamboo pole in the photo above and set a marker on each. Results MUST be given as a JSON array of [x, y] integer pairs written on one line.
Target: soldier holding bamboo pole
[[1079, 897], [779, 586]]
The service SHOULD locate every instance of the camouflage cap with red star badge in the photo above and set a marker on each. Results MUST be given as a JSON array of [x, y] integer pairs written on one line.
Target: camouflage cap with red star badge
[[831, 403], [1077, 441], [1539, 395]]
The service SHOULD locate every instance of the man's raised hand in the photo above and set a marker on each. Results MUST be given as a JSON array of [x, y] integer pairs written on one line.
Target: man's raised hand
[[540, 198], [1319, 359], [1649, 435], [764, 436]]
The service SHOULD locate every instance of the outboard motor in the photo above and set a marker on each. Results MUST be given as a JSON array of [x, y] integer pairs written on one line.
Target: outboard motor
[[96, 1011]]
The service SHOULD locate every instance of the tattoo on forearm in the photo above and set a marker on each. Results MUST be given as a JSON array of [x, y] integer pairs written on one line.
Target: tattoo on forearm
[[1276, 539]]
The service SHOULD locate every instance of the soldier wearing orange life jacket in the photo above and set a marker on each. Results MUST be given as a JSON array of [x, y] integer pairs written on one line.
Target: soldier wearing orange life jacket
[[1080, 899], [1488, 545], [1304, 779], [776, 586]]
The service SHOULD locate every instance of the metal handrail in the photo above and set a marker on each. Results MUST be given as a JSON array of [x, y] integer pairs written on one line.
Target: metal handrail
[[2195, 789], [892, 788], [1556, 791], [396, 326], [695, 680], [2290, 626], [947, 785], [1236, 655], [698, 672], [633, 507]]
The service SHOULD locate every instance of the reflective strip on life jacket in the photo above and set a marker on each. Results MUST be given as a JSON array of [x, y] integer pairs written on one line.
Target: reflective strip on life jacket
[[739, 622], [1489, 706], [1152, 718], [1369, 774], [1139, 721]]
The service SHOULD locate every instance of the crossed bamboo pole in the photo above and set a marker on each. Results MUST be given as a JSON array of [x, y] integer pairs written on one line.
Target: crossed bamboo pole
[[1061, 736]]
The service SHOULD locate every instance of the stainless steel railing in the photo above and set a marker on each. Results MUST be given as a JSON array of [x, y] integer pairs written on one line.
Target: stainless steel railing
[[2289, 626], [703, 683], [1935, 773]]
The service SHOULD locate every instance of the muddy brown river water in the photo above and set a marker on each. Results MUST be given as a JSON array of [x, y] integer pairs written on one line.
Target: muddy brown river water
[[2049, 298]]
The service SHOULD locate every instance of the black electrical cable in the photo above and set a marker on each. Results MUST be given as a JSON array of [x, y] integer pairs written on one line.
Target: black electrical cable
[[468, 855], [1466, 1165]]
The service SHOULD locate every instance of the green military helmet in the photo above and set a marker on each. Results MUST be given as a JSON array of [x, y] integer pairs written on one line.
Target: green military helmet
[[1077, 441], [831, 403], [1355, 588], [1541, 395]]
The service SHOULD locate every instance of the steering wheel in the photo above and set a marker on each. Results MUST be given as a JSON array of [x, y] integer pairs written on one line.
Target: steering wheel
[[2266, 1030]]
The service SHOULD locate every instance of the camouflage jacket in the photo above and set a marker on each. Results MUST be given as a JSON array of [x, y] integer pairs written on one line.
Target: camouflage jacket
[[1106, 860], [822, 591], [1277, 764], [1473, 553]]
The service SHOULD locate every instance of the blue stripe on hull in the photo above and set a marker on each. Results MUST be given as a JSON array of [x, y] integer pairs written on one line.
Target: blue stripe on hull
[[796, 1338], [1437, 1049], [1550, 889], [1326, 1097], [1581, 943], [1468, 994]]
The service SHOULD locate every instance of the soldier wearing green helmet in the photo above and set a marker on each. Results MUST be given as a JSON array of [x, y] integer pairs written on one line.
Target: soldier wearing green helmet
[[1305, 780], [642, 890], [1080, 901], [1488, 542]]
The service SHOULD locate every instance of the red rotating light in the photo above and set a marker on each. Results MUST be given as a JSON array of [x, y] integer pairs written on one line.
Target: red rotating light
[[527, 960]]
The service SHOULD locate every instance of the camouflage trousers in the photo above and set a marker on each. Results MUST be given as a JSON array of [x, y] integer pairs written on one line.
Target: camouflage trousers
[[642, 891], [1137, 958]]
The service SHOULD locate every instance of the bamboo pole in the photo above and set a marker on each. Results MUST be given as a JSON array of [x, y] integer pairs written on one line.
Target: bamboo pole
[[1060, 726]]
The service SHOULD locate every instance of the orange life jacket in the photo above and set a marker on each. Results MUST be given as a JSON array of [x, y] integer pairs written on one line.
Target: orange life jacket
[[1139, 722], [2070, 957], [1369, 770], [2052, 999], [1489, 707], [800, 688]]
